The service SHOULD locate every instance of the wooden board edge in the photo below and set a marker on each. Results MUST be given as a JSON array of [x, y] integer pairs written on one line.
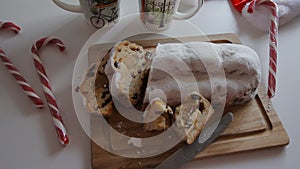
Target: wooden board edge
[[226, 37], [238, 145], [221, 38], [271, 113]]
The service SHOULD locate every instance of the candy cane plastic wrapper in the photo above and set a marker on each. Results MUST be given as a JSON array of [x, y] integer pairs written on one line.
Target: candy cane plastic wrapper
[[247, 7], [52, 104], [21, 80], [10, 25]]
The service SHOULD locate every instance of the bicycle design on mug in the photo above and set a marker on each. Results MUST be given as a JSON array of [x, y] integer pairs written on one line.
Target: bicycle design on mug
[[100, 18]]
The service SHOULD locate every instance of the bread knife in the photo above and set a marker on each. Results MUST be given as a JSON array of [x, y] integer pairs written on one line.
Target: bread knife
[[188, 152]]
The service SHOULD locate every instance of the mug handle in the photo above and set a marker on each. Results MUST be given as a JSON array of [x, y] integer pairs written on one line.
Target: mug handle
[[181, 15], [68, 7]]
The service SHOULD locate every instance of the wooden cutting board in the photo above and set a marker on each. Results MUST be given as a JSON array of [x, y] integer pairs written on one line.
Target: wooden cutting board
[[256, 124]]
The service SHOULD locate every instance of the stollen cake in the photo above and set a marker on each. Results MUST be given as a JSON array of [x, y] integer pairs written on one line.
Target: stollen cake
[[240, 65]]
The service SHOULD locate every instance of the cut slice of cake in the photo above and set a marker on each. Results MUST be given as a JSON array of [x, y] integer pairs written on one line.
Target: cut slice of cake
[[157, 115], [127, 71], [191, 116]]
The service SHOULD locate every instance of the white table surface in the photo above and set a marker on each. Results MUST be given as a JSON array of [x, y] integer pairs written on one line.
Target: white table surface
[[27, 136]]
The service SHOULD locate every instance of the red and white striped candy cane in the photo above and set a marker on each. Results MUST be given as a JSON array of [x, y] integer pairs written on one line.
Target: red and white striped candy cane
[[272, 6], [21, 80], [14, 71], [10, 25], [56, 114]]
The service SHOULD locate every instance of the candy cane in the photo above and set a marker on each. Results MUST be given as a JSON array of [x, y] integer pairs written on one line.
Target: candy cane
[[249, 6], [12, 69], [21, 80], [273, 31], [10, 25], [56, 115]]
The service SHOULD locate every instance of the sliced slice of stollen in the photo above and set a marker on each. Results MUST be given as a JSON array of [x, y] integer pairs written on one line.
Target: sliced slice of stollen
[[95, 89], [191, 116], [127, 69], [157, 115]]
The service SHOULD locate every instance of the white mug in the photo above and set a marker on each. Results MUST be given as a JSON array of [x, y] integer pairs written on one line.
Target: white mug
[[158, 14], [97, 12]]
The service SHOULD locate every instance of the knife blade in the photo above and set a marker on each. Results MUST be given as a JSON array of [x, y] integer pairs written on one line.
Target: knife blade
[[188, 152]]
